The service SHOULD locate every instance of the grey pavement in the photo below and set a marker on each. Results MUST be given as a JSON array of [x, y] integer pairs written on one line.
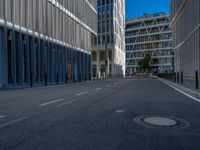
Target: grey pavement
[[189, 83], [96, 116]]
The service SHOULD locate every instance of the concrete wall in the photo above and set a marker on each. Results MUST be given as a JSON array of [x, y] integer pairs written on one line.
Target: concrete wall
[[185, 23]]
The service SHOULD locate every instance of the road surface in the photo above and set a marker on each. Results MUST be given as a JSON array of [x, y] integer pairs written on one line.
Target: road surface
[[96, 116]]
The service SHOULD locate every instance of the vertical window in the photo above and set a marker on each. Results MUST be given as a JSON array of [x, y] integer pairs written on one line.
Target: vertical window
[[103, 27], [99, 27], [103, 2]]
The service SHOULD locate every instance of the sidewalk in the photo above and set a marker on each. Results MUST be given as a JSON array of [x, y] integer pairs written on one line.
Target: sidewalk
[[191, 84], [187, 89]]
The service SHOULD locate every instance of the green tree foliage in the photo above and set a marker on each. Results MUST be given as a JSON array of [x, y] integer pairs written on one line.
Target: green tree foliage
[[144, 63]]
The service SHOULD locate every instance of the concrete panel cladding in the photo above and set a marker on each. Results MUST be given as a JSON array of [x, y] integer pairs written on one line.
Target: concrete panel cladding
[[185, 24]]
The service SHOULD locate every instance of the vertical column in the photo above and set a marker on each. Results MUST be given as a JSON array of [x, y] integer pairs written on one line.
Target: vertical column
[[28, 58], [98, 63], [2, 36], [90, 64], [31, 60], [79, 66], [39, 59], [42, 60], [19, 58], [14, 56]]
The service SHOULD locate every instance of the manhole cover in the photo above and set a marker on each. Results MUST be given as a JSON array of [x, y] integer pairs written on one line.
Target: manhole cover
[[160, 122]]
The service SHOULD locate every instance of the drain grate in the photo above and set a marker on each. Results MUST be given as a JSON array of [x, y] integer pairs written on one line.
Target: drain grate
[[162, 122]]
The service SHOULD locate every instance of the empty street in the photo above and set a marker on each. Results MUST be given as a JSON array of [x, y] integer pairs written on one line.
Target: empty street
[[97, 115]]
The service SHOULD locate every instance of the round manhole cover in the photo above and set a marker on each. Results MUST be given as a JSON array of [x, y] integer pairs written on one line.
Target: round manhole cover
[[160, 122]]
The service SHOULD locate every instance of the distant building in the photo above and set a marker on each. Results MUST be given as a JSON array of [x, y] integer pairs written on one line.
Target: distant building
[[185, 24], [46, 41], [149, 35], [108, 54]]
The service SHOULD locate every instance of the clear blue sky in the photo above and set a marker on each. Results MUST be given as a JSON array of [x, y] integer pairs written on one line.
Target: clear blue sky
[[136, 8]]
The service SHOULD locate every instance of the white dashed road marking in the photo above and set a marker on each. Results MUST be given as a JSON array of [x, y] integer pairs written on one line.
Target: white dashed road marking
[[119, 111], [68, 102], [79, 94], [108, 86], [98, 89], [51, 102], [13, 122], [1, 116], [93, 93]]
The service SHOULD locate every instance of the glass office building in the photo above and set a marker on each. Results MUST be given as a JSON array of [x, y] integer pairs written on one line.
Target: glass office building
[[46, 41], [149, 35], [108, 52], [185, 24]]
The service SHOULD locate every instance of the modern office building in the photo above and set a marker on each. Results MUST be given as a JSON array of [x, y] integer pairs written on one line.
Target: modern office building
[[108, 53], [46, 41], [185, 24], [149, 35]]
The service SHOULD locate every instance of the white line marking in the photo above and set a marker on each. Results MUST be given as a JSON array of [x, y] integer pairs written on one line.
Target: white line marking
[[51, 102], [82, 93], [68, 102], [108, 86], [194, 98], [93, 93], [119, 111], [13, 122], [1, 116], [98, 89]]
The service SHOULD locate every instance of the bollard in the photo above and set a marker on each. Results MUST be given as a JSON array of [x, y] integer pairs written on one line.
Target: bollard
[[90, 77], [66, 78], [181, 77], [80, 77], [45, 79], [177, 77], [31, 80], [73, 78], [57, 79], [197, 79], [94, 77]]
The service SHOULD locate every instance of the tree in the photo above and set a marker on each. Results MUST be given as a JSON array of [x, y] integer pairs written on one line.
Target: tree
[[144, 63]]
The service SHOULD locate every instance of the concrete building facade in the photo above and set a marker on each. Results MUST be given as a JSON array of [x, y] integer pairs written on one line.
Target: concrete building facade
[[108, 54], [149, 35], [46, 41], [185, 24]]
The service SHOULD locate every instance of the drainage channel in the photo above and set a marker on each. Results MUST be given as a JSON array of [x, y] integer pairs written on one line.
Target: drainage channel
[[162, 122]]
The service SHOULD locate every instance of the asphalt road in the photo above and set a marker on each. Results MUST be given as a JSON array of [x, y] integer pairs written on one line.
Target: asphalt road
[[96, 116]]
